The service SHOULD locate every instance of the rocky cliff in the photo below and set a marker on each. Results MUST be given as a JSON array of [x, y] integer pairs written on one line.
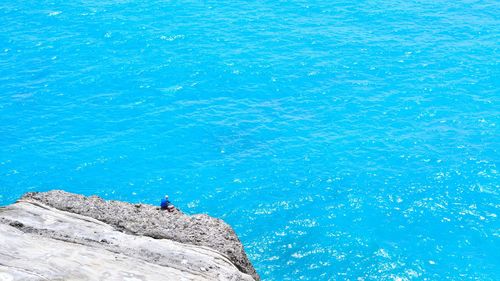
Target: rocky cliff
[[60, 235]]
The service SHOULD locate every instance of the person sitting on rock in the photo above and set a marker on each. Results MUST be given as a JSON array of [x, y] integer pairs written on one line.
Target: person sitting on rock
[[166, 204]]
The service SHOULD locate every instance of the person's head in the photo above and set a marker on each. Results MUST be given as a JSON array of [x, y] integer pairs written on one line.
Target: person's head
[[166, 196]]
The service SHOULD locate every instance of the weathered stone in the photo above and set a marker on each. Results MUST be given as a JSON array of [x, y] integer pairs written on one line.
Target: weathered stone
[[117, 238]]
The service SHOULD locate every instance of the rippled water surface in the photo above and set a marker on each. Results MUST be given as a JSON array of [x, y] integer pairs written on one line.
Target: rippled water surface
[[343, 140]]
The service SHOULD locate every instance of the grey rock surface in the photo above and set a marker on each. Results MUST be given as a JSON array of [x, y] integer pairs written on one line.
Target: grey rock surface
[[60, 235]]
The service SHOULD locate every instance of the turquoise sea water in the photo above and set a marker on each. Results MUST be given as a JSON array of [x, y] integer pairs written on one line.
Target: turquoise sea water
[[343, 140]]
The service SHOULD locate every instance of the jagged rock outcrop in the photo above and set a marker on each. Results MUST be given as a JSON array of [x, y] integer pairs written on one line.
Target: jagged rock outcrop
[[60, 235]]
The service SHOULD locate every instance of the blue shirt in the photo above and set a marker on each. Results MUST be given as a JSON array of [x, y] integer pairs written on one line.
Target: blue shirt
[[164, 203]]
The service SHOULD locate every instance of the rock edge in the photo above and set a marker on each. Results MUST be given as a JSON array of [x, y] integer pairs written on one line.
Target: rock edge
[[146, 220]]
